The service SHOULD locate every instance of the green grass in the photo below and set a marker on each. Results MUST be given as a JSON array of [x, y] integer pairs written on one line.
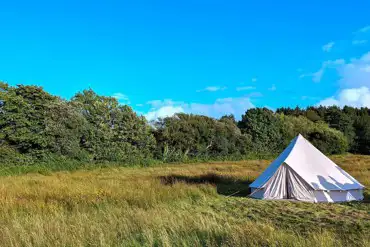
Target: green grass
[[173, 205]]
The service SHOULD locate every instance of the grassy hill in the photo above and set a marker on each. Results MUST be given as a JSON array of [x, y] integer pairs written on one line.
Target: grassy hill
[[173, 205]]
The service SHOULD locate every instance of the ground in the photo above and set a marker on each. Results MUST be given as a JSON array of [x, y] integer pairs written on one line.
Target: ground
[[173, 205]]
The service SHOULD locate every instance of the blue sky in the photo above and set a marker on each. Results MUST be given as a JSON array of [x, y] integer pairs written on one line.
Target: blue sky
[[205, 57]]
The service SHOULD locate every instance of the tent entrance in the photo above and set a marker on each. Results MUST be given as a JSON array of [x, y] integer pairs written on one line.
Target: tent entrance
[[288, 192], [287, 184], [296, 187]]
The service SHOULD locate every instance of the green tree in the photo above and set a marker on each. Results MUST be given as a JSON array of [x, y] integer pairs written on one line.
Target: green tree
[[362, 139], [312, 115], [339, 120], [265, 129], [328, 140], [114, 132], [24, 110], [186, 135], [64, 127], [228, 118]]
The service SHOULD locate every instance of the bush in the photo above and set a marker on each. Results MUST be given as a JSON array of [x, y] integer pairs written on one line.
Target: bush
[[327, 140], [9, 156]]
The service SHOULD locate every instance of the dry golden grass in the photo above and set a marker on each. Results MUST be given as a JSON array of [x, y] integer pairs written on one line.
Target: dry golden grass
[[173, 205]]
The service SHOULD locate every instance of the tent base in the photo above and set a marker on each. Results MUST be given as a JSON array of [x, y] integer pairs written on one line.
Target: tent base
[[338, 196], [319, 196]]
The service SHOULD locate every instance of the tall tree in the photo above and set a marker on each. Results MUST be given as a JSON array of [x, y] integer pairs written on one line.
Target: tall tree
[[24, 110], [265, 129]]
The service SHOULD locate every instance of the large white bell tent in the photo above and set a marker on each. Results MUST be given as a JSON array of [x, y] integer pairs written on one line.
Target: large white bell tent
[[302, 172]]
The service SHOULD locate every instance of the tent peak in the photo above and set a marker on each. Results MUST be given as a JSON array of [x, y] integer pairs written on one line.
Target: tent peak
[[300, 137]]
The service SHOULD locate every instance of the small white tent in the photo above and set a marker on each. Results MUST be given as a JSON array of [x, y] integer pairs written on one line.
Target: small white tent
[[302, 172]]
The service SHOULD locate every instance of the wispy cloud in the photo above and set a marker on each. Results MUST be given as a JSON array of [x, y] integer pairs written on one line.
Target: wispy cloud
[[212, 89], [305, 97], [359, 42], [328, 46], [218, 108], [121, 97], [364, 29], [245, 88], [160, 103], [272, 88], [254, 95], [254, 79], [317, 76]]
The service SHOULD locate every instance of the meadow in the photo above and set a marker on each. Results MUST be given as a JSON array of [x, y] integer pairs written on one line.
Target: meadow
[[201, 204]]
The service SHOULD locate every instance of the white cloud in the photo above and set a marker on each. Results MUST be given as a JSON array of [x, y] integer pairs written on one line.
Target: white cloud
[[272, 88], [317, 76], [329, 102], [356, 73], [359, 41], [364, 29], [139, 105], [220, 107], [355, 79], [357, 97], [245, 88], [162, 112], [120, 96], [328, 46], [212, 89], [254, 79]]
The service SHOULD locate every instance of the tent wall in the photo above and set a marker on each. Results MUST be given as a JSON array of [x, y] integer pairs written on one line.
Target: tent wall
[[257, 193], [338, 196]]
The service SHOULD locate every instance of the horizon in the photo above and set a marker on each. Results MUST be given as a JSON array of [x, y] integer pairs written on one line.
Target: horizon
[[209, 58]]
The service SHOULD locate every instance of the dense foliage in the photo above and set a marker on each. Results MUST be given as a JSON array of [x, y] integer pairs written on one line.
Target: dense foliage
[[39, 127], [354, 123]]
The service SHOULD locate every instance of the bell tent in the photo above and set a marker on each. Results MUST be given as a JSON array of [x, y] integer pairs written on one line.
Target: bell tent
[[303, 173]]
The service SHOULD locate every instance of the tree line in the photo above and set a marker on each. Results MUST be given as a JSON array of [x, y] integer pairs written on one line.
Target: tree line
[[36, 126]]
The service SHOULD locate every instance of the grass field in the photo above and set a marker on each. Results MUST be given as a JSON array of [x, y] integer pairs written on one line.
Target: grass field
[[173, 205]]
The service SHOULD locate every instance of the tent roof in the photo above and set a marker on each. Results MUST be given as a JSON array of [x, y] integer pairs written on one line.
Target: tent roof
[[310, 164]]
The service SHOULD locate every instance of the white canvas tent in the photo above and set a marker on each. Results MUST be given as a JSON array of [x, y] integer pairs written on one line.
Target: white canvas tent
[[302, 172]]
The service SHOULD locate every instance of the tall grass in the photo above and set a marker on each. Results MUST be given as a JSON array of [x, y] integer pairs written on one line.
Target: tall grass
[[172, 205]]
